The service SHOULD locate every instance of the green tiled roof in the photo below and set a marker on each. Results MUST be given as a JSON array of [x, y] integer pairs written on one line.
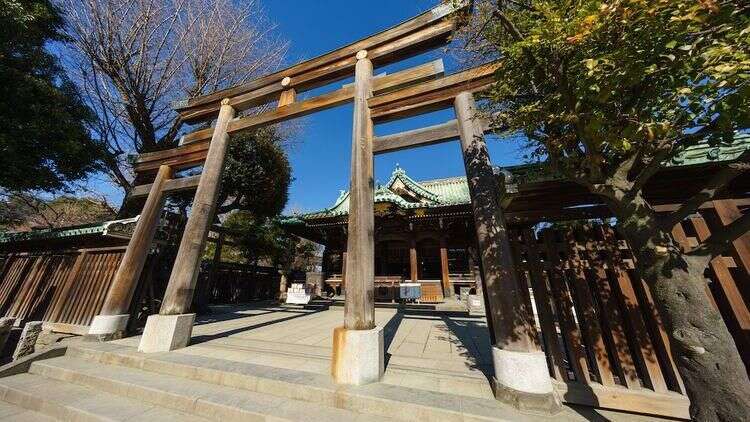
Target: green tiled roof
[[60, 233], [455, 191], [406, 193]]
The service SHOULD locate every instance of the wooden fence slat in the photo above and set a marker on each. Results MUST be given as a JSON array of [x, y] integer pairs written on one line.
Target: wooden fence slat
[[112, 260], [88, 289], [727, 212], [564, 303], [51, 284], [7, 260], [104, 274], [727, 284], [11, 282], [544, 306], [30, 287], [610, 311], [75, 301], [644, 350], [63, 293], [24, 284], [592, 328]]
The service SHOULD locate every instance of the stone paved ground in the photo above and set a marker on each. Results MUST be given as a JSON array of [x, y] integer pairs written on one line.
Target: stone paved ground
[[424, 349]]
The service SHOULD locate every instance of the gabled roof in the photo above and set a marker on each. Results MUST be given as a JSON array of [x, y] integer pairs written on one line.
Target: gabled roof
[[406, 193]]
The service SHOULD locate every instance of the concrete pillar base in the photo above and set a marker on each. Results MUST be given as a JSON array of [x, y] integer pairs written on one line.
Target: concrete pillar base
[[164, 333], [358, 356], [108, 327], [522, 380]]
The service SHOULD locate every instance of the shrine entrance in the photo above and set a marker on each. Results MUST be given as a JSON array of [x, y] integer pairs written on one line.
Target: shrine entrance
[[522, 373], [392, 259]]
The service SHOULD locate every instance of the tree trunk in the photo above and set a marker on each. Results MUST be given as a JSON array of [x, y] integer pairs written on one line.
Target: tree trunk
[[706, 356]]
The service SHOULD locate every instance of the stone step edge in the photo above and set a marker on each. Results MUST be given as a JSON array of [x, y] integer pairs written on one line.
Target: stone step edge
[[238, 344], [203, 407], [18, 411], [33, 401], [307, 386]]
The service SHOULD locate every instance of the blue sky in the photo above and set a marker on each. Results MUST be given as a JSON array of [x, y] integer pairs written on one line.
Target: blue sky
[[321, 156]]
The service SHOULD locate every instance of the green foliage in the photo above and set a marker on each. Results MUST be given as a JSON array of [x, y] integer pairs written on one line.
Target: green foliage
[[257, 174], [265, 239], [594, 83], [44, 142]]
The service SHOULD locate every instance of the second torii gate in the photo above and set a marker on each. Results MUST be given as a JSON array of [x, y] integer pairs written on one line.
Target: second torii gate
[[521, 373]]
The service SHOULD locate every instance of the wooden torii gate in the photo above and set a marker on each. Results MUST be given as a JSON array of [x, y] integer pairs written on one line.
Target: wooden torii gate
[[521, 374]]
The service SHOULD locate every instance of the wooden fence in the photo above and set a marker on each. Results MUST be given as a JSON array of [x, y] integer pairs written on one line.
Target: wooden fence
[[597, 321], [65, 289], [236, 283]]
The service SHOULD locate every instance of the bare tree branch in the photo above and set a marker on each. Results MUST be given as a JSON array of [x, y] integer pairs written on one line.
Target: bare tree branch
[[133, 58]]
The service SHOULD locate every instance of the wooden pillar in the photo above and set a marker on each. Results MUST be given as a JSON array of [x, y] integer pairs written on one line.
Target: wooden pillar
[[179, 293], [444, 270], [128, 273], [516, 348], [413, 260], [727, 211], [359, 309], [506, 310], [343, 271]]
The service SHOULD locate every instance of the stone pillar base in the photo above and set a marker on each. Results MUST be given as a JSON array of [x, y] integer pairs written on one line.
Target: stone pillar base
[[108, 327], [27, 343], [164, 333], [6, 325], [522, 380], [358, 356]]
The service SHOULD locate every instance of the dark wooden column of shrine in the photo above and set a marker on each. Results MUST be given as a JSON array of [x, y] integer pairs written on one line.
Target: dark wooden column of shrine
[[444, 270], [516, 349], [413, 259]]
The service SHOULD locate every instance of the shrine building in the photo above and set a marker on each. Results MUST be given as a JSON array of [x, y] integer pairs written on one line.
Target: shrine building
[[423, 233]]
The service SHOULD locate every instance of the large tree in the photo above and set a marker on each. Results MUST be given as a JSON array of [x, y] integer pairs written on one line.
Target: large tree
[[606, 93], [44, 141], [133, 58], [257, 174]]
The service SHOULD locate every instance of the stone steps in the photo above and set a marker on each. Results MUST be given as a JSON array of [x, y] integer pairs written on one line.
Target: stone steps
[[433, 375], [34, 397], [313, 389], [10, 412], [205, 400], [435, 367]]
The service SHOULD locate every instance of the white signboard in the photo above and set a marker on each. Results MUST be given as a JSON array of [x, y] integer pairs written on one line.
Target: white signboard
[[298, 294]]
